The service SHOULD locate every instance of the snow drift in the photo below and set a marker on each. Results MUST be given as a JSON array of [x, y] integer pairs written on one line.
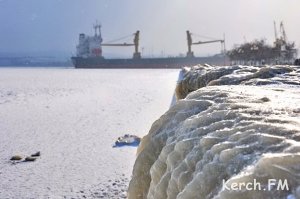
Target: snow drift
[[228, 131]]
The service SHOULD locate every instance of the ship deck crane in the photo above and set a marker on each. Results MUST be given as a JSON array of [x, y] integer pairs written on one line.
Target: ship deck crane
[[136, 54], [190, 42]]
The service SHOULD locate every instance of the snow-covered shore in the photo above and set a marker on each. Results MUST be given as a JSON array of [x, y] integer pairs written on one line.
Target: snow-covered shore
[[73, 117]]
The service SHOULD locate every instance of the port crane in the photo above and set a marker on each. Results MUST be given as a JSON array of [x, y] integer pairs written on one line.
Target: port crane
[[136, 54], [281, 40], [190, 42], [285, 51]]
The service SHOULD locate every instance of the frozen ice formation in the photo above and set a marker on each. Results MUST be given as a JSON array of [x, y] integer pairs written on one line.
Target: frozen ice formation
[[226, 135], [201, 76]]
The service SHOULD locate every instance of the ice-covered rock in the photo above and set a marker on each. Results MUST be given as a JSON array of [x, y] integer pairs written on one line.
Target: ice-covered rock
[[201, 76], [221, 141]]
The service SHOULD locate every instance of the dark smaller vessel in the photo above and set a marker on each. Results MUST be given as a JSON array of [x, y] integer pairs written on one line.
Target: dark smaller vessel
[[89, 54]]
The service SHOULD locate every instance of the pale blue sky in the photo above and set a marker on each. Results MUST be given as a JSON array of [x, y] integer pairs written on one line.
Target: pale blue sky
[[54, 25]]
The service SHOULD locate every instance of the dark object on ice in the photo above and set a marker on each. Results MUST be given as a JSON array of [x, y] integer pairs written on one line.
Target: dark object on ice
[[16, 158], [297, 62], [37, 154], [127, 140], [29, 159], [265, 99]]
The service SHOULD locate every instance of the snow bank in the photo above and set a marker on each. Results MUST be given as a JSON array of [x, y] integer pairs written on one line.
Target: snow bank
[[221, 135]]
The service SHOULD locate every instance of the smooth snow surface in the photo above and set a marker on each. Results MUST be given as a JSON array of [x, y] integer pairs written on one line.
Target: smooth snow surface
[[73, 117], [237, 124]]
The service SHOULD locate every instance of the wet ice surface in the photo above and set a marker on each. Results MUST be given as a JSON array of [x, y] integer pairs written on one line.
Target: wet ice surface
[[73, 117], [231, 128]]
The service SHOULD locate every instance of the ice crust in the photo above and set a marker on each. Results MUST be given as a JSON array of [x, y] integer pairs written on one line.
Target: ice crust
[[233, 132]]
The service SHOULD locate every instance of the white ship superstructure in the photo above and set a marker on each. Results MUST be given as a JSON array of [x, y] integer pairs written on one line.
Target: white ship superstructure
[[90, 46]]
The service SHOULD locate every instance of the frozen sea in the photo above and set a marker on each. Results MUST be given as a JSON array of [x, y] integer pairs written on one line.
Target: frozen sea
[[73, 116]]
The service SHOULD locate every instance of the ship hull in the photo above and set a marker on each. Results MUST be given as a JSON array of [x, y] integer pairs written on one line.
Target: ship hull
[[175, 62]]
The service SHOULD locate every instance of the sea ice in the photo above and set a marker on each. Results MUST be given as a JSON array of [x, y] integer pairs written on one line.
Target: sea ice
[[73, 116]]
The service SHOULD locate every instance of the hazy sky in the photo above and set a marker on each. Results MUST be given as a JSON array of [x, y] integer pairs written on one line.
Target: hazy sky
[[54, 25]]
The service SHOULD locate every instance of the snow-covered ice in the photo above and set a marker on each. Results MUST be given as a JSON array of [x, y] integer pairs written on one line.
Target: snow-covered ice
[[73, 117]]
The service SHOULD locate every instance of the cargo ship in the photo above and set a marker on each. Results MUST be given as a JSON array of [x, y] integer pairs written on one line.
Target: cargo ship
[[89, 54]]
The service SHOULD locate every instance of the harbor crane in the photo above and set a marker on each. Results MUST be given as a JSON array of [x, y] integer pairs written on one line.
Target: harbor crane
[[280, 40], [136, 54], [285, 50], [190, 42]]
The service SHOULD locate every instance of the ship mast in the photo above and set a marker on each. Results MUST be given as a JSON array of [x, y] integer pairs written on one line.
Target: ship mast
[[97, 29], [189, 43], [137, 54]]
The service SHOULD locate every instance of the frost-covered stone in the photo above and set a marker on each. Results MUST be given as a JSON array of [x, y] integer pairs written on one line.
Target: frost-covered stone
[[201, 76], [228, 134]]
